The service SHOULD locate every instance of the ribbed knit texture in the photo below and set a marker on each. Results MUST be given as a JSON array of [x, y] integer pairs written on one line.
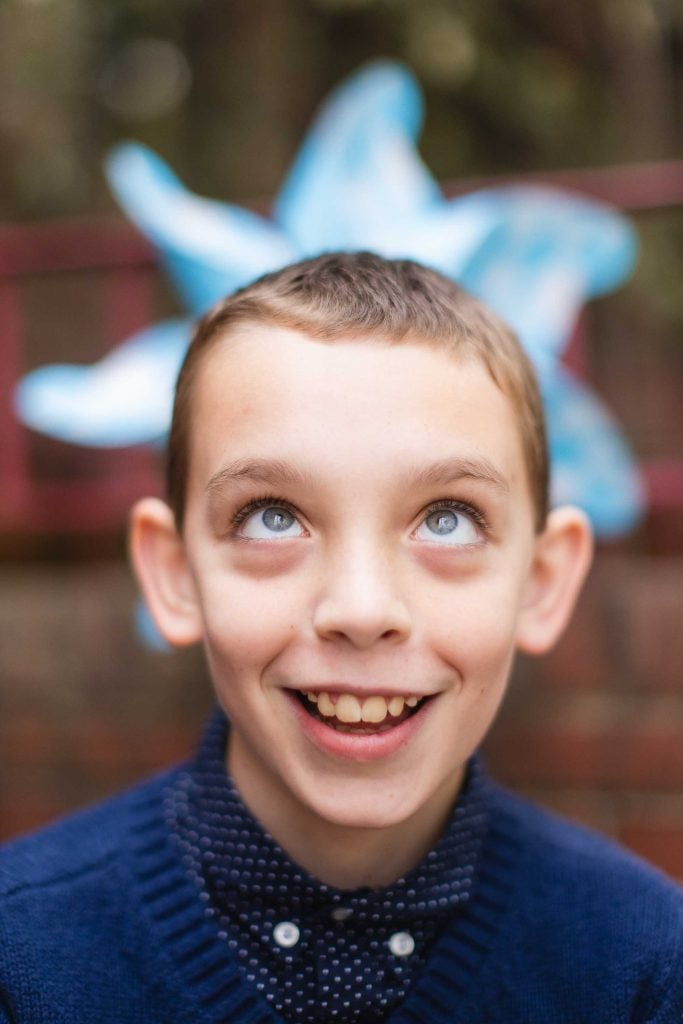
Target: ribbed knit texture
[[100, 924], [188, 930], [340, 963]]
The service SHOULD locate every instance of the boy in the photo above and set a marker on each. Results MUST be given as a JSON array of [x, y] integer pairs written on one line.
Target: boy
[[358, 533]]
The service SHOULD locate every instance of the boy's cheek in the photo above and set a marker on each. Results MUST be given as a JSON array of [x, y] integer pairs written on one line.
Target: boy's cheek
[[249, 624], [475, 624], [468, 624], [481, 660]]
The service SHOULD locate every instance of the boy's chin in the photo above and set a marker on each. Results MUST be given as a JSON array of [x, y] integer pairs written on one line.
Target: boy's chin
[[362, 818], [365, 807]]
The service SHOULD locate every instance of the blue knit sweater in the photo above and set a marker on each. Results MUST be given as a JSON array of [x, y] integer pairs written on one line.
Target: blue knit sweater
[[99, 924]]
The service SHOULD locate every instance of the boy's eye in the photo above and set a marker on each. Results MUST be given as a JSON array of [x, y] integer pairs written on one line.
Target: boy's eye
[[449, 525], [269, 522]]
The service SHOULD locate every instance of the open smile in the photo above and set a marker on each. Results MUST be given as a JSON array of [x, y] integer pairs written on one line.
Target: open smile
[[360, 715], [359, 727]]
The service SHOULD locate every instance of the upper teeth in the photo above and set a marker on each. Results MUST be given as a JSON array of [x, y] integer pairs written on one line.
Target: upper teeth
[[348, 708]]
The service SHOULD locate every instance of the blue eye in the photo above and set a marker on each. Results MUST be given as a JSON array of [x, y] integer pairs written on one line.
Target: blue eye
[[277, 519], [448, 526], [270, 522], [442, 522]]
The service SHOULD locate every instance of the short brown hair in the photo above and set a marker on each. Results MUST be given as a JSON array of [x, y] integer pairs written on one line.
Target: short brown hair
[[336, 295]]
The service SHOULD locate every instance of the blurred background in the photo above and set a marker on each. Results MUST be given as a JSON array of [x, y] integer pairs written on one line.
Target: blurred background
[[587, 93]]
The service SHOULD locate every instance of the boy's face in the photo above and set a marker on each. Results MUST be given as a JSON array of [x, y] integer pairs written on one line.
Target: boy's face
[[358, 524]]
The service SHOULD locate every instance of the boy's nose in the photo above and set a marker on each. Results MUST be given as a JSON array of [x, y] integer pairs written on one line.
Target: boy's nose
[[361, 603]]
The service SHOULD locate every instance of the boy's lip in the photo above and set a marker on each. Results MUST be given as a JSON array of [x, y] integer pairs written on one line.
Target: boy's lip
[[360, 691], [360, 747]]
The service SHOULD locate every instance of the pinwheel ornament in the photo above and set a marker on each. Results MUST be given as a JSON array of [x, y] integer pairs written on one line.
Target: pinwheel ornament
[[535, 255]]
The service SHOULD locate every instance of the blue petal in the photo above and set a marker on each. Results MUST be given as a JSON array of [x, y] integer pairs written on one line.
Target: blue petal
[[357, 172], [447, 237], [124, 399], [148, 631], [591, 464], [209, 248], [533, 254], [553, 251]]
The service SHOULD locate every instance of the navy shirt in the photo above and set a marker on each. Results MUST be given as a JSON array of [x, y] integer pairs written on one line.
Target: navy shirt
[[315, 952]]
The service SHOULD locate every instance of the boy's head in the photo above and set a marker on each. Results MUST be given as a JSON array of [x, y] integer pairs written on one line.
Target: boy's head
[[338, 295], [360, 539]]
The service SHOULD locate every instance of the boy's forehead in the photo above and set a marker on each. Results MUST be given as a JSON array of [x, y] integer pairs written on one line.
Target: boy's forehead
[[249, 353], [271, 394], [260, 371]]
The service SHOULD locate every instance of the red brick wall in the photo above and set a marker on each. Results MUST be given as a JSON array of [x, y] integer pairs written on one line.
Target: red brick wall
[[84, 709], [595, 729]]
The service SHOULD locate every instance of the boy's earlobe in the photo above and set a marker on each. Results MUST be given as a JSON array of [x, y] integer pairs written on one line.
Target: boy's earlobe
[[160, 563], [561, 560]]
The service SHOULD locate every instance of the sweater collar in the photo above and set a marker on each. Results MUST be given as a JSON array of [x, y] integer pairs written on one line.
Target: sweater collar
[[205, 983], [441, 881]]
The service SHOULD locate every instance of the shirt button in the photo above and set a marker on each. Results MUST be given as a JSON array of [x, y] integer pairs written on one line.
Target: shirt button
[[341, 913], [402, 944], [286, 934]]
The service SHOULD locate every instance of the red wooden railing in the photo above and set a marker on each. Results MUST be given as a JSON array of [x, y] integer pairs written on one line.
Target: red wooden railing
[[123, 264]]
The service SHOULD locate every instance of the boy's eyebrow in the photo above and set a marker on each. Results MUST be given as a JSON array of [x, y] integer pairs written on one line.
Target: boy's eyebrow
[[446, 471], [267, 471], [275, 471]]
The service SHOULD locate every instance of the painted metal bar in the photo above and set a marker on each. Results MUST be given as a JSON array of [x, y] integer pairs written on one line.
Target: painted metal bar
[[14, 469]]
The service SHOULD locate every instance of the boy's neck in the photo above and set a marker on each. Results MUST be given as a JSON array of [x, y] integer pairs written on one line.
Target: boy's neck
[[347, 857], [353, 858]]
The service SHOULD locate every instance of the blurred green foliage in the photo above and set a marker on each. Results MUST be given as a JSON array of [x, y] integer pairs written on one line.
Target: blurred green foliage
[[224, 89]]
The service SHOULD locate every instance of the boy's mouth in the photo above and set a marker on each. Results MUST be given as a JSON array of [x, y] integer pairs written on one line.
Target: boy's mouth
[[345, 712]]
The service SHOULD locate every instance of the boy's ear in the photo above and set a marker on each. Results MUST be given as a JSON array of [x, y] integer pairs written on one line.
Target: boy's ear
[[561, 559], [161, 566]]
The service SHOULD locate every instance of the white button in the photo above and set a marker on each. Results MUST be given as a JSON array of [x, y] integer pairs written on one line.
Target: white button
[[286, 934], [402, 944], [341, 913]]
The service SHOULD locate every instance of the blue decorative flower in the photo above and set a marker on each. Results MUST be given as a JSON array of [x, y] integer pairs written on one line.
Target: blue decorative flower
[[535, 255]]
